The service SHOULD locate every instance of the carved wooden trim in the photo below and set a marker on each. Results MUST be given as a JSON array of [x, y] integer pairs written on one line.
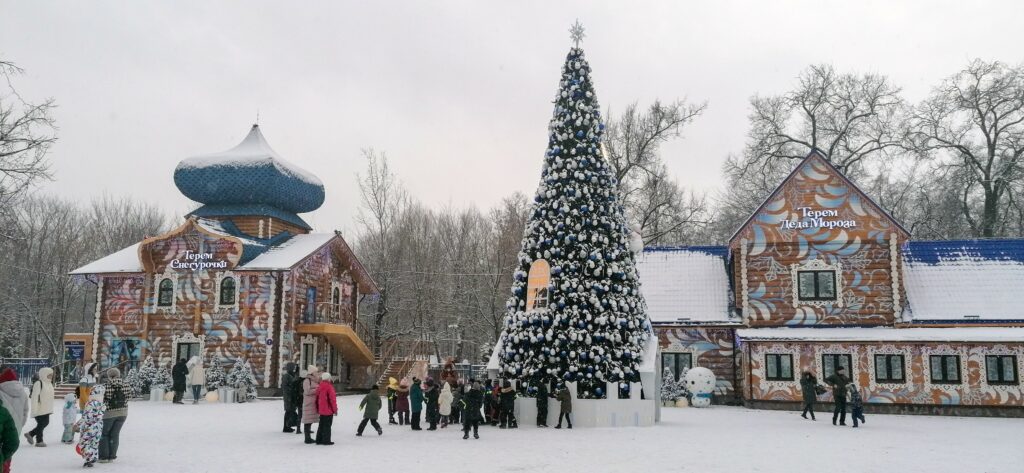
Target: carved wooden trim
[[816, 265]]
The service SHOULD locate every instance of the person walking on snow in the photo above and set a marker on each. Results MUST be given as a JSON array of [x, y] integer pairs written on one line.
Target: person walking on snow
[[565, 399], [196, 377], [370, 405], [9, 441], [444, 404], [432, 395], [838, 381], [809, 390], [327, 407], [416, 402], [310, 414], [507, 400], [856, 406], [69, 415], [392, 399], [179, 375], [14, 397], [291, 393], [41, 401], [472, 403], [86, 382], [542, 404], [115, 404], [402, 404], [91, 426]]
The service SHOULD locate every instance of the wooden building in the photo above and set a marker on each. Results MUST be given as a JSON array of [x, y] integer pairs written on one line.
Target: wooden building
[[821, 276], [242, 277]]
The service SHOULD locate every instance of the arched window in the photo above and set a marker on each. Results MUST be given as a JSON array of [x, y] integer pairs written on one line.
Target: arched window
[[165, 298], [537, 285], [227, 291]]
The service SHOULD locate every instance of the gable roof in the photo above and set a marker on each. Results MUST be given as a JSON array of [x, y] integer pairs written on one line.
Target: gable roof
[[816, 155], [685, 285], [965, 281]]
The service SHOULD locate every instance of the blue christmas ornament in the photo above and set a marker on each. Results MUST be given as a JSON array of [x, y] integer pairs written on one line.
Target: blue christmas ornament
[[598, 391], [579, 134]]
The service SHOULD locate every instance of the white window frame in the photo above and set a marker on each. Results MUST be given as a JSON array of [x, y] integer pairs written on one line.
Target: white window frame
[[159, 278], [816, 265], [187, 338], [238, 290]]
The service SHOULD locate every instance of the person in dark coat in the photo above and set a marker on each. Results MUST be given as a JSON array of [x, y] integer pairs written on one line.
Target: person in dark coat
[[809, 390], [370, 405], [490, 414], [472, 403], [291, 393], [494, 398], [565, 400], [178, 375], [542, 404], [416, 403], [402, 403], [838, 381], [507, 401], [856, 406], [432, 396], [392, 398], [457, 391]]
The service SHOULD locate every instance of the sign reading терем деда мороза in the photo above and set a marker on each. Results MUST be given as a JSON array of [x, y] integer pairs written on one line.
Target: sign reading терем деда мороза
[[817, 219]]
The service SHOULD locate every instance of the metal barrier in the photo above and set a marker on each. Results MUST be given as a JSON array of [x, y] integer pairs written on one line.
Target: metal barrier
[[26, 368]]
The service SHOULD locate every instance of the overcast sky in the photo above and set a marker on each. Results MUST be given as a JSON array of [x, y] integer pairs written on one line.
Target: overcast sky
[[457, 93]]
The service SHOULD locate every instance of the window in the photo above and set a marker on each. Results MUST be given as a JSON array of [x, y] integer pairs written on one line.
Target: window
[[778, 367], [679, 363], [186, 350], [308, 354], [889, 369], [945, 368], [816, 285], [309, 314], [1001, 369], [227, 291], [165, 297], [829, 363], [537, 285]]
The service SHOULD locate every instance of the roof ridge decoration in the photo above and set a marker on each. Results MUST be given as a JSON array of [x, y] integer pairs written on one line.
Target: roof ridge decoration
[[815, 156]]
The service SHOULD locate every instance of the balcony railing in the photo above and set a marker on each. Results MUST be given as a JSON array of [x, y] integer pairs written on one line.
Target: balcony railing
[[327, 313]]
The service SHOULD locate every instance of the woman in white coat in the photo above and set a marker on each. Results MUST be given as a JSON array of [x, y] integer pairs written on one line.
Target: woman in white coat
[[41, 401], [196, 377], [444, 402]]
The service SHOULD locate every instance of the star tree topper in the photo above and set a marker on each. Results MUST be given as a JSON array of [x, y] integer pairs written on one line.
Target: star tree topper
[[576, 33]]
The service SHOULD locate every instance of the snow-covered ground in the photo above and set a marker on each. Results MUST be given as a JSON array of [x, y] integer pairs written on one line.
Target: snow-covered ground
[[222, 438]]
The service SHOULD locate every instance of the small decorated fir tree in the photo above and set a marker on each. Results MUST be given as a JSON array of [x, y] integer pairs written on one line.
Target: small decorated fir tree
[[242, 378], [133, 382], [145, 376], [162, 379], [671, 390], [215, 376]]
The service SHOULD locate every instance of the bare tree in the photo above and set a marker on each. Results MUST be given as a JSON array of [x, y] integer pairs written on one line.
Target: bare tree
[[27, 131], [655, 203], [972, 125], [857, 121]]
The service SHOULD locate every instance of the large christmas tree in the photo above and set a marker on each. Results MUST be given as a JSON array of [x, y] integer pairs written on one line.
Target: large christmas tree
[[576, 313]]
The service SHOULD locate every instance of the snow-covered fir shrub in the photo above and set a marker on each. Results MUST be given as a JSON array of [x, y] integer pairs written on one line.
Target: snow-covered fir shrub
[[162, 379], [133, 382], [591, 324], [215, 376], [671, 390], [144, 377], [242, 379]]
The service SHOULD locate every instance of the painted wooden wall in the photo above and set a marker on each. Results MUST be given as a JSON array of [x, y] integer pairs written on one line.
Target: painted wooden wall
[[768, 246], [974, 388], [712, 348]]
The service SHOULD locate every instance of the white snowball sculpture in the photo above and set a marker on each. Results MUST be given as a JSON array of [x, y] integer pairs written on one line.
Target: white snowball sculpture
[[701, 383]]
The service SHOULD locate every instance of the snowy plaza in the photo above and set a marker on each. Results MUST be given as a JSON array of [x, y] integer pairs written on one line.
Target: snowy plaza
[[224, 438]]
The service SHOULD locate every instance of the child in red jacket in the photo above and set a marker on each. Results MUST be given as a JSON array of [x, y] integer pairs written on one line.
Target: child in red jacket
[[327, 407]]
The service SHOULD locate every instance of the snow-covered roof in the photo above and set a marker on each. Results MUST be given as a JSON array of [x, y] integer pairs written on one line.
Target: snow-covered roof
[[123, 261], [289, 253], [250, 173], [685, 284], [885, 334], [964, 280]]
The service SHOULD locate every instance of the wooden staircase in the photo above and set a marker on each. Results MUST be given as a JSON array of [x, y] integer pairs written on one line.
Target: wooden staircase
[[61, 390]]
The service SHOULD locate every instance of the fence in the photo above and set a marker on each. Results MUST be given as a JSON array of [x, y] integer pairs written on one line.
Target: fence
[[26, 368]]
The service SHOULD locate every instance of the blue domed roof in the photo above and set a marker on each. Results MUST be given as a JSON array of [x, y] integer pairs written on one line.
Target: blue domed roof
[[251, 173]]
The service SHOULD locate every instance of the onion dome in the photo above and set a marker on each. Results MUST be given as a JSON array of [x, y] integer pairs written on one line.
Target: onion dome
[[250, 174]]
